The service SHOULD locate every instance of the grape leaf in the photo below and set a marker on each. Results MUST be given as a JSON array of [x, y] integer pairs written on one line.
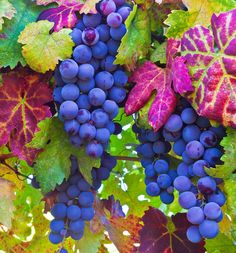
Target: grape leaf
[[38, 42], [199, 13], [23, 96], [10, 50], [220, 244], [65, 14], [229, 157], [53, 164], [6, 11], [212, 71], [161, 234], [135, 43], [149, 78], [159, 53], [114, 222], [6, 202]]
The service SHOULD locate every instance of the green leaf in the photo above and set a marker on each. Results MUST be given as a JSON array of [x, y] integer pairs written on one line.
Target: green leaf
[[38, 42], [10, 50], [136, 42], [90, 242], [6, 202], [6, 11], [229, 157], [199, 13], [53, 164], [220, 244], [159, 53]]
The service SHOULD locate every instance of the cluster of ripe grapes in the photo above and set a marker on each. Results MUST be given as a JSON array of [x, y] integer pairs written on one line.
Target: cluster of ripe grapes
[[197, 143], [90, 87], [74, 201]]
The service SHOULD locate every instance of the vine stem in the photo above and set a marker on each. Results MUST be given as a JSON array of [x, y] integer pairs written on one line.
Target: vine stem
[[4, 157], [13, 169], [128, 158]]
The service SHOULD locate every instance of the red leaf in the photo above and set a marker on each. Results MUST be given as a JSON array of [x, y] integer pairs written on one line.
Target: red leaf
[[23, 96], [161, 234], [123, 232], [148, 78]]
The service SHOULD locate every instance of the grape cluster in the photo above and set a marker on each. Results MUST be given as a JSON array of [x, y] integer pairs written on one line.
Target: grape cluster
[[74, 201], [90, 87], [197, 143]]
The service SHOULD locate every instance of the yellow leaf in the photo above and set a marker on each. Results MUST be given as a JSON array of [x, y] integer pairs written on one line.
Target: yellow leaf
[[43, 50], [6, 11]]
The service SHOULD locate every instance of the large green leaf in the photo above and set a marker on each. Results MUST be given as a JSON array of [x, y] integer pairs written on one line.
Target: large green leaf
[[10, 49], [53, 164]]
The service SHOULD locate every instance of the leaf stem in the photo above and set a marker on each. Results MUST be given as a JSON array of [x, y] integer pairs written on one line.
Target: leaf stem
[[4, 157], [15, 170], [128, 158]]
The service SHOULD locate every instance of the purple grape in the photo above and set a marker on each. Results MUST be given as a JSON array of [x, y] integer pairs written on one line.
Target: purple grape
[[208, 139], [92, 20], [68, 110], [182, 183], [118, 33], [76, 36], [206, 185], [114, 19], [99, 118], [193, 234], [194, 149], [153, 189], [104, 32], [86, 71], [209, 229], [70, 92], [104, 80], [187, 200], [195, 215], [107, 7], [90, 36], [83, 116], [174, 123], [124, 12], [71, 126], [212, 210], [68, 68], [96, 97], [94, 149], [87, 132], [82, 54]]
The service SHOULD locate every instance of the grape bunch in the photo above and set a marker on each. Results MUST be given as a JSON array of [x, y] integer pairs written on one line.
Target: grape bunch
[[90, 87], [74, 201], [197, 143]]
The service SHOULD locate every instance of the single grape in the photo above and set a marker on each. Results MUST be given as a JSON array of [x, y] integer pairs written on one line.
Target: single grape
[[83, 102], [212, 210], [186, 159], [107, 7], [99, 50], [87, 213], [198, 168], [124, 12], [73, 191], [164, 181], [111, 108], [179, 147], [191, 133], [188, 116], [86, 199], [76, 35], [108, 161], [71, 126], [80, 25], [102, 135], [83, 185], [103, 173], [92, 20], [94, 149], [86, 85], [113, 46], [111, 127], [193, 234], [117, 94], [150, 171], [73, 212], [152, 136], [96, 97], [99, 118], [104, 32], [76, 140], [57, 95], [114, 19], [90, 36], [86, 71], [171, 136], [209, 229], [87, 132], [108, 63], [195, 215], [159, 147], [206, 185], [63, 250], [55, 238], [153, 189], [68, 68], [59, 211], [82, 54], [166, 197], [212, 156], [77, 226], [182, 169], [174, 123], [187, 200], [208, 139], [104, 80], [217, 197], [161, 166], [118, 33], [182, 183], [146, 150], [219, 131], [194, 149], [203, 122], [57, 225], [77, 236]]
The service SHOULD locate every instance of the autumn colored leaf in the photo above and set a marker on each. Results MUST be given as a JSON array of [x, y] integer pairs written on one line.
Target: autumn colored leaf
[[6, 202], [65, 14], [212, 68], [161, 234], [199, 13], [150, 78], [38, 42], [10, 50], [52, 165], [136, 42], [23, 96], [123, 231], [6, 11]]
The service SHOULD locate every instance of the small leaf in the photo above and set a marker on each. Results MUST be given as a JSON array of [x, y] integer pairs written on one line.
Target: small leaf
[[23, 96], [10, 50], [6, 11], [159, 53], [6, 202], [38, 42], [136, 42], [211, 68], [161, 234], [53, 164], [229, 157]]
